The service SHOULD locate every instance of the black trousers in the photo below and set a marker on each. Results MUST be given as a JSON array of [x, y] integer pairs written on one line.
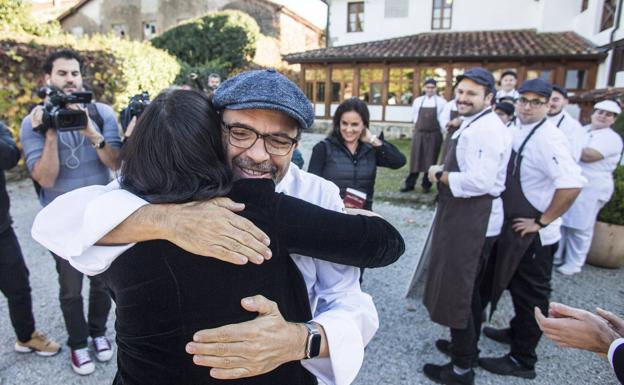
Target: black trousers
[[530, 287], [70, 296], [15, 286], [464, 342], [410, 181]]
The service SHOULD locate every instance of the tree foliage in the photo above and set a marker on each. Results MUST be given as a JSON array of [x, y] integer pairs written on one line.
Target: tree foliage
[[613, 212], [15, 17]]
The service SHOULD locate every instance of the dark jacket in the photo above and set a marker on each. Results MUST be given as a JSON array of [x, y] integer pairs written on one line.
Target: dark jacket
[[332, 160], [9, 155]]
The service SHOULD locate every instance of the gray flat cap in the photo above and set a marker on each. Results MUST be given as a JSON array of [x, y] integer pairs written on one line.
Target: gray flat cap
[[265, 90]]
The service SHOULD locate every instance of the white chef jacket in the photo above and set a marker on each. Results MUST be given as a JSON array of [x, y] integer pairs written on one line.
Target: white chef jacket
[[599, 175], [501, 94], [445, 115], [547, 165], [483, 151], [71, 224], [573, 131], [425, 101]]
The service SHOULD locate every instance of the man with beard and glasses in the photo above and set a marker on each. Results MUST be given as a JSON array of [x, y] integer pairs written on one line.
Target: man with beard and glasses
[[345, 317], [467, 221], [571, 127], [543, 180], [61, 161]]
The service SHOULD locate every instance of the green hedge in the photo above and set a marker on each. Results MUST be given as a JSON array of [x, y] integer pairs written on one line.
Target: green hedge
[[114, 69], [613, 212], [217, 42]]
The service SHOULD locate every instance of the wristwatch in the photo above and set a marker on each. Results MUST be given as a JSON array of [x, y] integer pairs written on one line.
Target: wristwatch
[[99, 144], [373, 138], [539, 223], [313, 342]]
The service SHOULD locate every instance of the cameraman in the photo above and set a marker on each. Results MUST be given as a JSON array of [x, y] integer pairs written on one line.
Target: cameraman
[[61, 161]]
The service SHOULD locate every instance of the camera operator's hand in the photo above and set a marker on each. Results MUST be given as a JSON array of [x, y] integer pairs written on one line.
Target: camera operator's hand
[[36, 116], [130, 128], [90, 132]]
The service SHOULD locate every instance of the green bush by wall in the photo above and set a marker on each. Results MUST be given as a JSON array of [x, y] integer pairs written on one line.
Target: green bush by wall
[[613, 212]]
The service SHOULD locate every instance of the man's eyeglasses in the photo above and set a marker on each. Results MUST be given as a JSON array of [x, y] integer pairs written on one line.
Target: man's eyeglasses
[[534, 103], [246, 137], [608, 114]]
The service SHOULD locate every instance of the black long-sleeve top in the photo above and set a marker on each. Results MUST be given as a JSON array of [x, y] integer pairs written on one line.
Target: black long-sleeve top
[[9, 156], [165, 294], [332, 160]]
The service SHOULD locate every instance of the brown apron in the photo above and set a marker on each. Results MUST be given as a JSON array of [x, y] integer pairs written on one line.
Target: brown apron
[[426, 140], [449, 133], [457, 238], [511, 246]]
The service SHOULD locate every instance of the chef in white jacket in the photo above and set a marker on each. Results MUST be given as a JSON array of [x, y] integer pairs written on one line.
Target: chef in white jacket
[[600, 156], [557, 115]]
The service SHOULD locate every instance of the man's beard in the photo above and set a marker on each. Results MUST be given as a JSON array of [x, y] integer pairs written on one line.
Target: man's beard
[[555, 113], [264, 167]]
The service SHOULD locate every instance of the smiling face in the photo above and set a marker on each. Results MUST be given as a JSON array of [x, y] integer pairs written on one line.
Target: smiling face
[[471, 97], [508, 82], [255, 161], [65, 75], [602, 119], [351, 127], [430, 89]]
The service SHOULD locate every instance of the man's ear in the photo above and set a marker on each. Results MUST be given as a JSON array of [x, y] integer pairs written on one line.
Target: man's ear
[[47, 79]]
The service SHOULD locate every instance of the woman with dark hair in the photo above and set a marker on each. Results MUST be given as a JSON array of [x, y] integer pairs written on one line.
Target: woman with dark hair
[[164, 294], [350, 155]]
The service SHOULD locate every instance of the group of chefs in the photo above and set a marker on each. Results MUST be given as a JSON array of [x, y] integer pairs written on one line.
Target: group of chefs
[[519, 187]]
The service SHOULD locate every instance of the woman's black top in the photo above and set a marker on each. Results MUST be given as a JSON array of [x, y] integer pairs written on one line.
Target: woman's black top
[[332, 160], [165, 294]]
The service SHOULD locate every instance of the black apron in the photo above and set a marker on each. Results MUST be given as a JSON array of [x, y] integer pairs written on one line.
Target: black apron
[[449, 133], [426, 140], [511, 246], [457, 237]]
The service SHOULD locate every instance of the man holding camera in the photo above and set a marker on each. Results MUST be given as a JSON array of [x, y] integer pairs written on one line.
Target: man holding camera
[[66, 150]]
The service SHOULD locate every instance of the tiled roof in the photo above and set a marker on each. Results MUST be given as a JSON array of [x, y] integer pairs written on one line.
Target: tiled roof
[[491, 45]]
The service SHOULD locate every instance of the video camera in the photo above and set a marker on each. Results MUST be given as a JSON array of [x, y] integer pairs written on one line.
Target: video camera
[[136, 106], [56, 114]]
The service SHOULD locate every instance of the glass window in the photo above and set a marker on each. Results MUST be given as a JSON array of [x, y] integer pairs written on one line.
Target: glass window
[[355, 16], [342, 84], [149, 29], [544, 74], [608, 14], [401, 85], [442, 14], [575, 79], [438, 74], [371, 85], [120, 30], [315, 85]]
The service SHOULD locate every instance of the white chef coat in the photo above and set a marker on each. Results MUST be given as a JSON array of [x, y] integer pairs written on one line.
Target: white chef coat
[[573, 131], [483, 151], [71, 224], [445, 116], [599, 175], [547, 165], [426, 101], [501, 94]]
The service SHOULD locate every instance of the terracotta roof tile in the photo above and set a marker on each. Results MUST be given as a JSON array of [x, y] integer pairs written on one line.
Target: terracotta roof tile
[[465, 45]]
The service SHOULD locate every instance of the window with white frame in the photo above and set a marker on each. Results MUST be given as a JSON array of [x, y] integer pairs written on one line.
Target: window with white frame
[[149, 29], [355, 16]]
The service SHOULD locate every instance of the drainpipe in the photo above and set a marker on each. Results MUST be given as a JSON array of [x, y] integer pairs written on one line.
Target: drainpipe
[[327, 24]]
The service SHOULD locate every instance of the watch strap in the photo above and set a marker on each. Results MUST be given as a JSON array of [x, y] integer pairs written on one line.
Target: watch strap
[[539, 223]]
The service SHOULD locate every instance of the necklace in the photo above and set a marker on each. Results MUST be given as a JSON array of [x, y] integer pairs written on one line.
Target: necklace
[[72, 161]]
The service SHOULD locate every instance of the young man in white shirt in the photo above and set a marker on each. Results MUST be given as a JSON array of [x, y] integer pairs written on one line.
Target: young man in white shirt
[[508, 82], [542, 182], [600, 155], [571, 127], [345, 316]]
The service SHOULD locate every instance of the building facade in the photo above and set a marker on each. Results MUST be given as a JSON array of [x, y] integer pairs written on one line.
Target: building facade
[[383, 50]]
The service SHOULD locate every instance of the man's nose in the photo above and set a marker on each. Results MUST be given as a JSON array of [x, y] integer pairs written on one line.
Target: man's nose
[[257, 152]]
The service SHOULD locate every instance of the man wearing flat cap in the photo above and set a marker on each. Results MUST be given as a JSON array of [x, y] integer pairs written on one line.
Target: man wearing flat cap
[[542, 182], [426, 135], [571, 127], [600, 155], [505, 112], [270, 106], [467, 221]]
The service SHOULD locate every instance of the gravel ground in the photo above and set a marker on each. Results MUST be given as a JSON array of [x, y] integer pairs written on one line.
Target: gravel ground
[[403, 344]]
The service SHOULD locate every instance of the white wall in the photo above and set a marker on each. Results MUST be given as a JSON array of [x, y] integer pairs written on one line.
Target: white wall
[[92, 10]]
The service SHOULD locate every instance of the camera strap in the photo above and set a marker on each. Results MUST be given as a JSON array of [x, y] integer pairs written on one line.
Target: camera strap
[[94, 115]]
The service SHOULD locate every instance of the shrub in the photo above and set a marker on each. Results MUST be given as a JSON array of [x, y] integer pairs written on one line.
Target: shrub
[[15, 17], [227, 38], [114, 69], [613, 212]]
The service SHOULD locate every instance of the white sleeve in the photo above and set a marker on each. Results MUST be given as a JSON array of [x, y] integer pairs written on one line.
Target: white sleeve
[[348, 316], [71, 225], [614, 345], [444, 118], [483, 155], [558, 163], [416, 109], [606, 145], [441, 103]]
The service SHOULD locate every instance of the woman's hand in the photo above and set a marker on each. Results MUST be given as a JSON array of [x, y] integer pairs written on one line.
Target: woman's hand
[[368, 137]]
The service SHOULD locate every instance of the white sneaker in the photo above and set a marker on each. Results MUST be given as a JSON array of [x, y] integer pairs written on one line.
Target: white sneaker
[[81, 361], [103, 348], [567, 269]]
